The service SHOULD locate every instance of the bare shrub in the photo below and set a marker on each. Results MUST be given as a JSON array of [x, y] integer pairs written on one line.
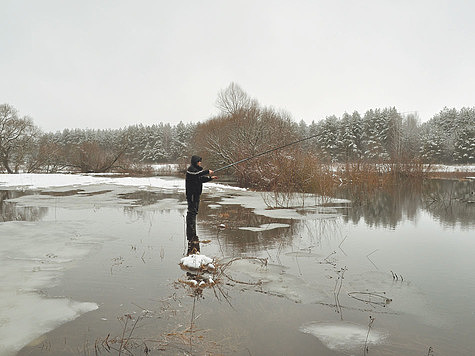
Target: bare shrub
[[92, 157]]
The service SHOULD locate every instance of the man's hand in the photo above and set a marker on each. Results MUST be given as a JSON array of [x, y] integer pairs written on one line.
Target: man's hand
[[211, 172], [214, 177]]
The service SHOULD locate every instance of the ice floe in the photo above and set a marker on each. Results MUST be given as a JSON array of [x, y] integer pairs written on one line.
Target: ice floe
[[31, 261], [307, 207], [264, 227]]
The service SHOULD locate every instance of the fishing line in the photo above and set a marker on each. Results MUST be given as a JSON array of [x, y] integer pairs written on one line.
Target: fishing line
[[266, 152]]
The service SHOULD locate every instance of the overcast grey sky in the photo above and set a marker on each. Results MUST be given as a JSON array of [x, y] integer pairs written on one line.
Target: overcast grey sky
[[109, 64]]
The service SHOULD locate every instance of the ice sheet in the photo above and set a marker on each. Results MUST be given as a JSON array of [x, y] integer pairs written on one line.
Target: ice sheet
[[274, 279], [32, 260], [308, 207], [26, 316]]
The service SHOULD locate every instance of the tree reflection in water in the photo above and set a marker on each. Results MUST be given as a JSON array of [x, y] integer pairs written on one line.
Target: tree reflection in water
[[449, 201], [9, 211]]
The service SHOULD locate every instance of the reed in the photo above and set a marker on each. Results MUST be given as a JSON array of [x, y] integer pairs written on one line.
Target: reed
[[290, 178]]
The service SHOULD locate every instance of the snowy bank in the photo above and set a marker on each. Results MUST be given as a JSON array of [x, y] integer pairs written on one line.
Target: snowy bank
[[451, 168], [39, 181]]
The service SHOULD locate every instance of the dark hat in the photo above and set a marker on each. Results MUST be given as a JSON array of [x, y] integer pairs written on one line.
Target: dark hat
[[195, 160]]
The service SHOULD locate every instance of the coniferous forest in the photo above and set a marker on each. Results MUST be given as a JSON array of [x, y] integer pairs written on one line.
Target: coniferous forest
[[242, 128]]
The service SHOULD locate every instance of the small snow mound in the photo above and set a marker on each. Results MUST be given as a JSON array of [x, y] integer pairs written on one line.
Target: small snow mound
[[195, 261]]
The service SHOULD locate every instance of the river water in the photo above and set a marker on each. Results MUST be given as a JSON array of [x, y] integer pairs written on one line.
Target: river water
[[91, 269]]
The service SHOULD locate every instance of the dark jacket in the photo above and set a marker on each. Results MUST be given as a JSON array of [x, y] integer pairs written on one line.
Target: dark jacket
[[195, 177]]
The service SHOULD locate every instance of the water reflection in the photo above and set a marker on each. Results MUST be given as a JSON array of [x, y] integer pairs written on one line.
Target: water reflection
[[233, 218], [145, 197], [449, 201], [9, 211]]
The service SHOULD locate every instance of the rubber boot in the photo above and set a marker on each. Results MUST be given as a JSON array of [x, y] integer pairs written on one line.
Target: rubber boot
[[193, 246]]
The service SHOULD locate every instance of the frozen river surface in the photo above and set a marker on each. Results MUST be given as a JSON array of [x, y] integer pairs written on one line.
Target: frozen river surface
[[90, 264]]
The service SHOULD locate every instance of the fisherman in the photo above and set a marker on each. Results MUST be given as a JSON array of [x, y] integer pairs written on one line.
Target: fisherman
[[195, 177]]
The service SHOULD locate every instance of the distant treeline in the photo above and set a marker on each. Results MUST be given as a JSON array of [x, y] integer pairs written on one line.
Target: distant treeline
[[242, 128]]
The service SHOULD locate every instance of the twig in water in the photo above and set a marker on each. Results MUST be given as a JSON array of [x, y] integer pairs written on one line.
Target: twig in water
[[341, 243], [328, 261], [127, 317], [337, 293], [370, 324], [192, 322], [369, 259], [396, 277], [381, 299]]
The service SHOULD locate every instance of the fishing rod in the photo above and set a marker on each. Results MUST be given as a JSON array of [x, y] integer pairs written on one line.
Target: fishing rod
[[265, 152]]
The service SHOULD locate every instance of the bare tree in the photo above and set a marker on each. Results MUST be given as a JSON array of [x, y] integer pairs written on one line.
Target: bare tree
[[243, 129], [16, 137], [234, 101]]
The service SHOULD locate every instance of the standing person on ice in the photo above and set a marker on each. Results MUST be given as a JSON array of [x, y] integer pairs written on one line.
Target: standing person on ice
[[195, 177]]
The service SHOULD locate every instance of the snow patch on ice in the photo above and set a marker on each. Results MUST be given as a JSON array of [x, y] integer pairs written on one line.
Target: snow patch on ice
[[343, 336]]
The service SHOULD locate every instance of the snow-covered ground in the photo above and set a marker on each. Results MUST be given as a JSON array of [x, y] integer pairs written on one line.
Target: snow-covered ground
[[40, 181], [165, 167], [451, 168]]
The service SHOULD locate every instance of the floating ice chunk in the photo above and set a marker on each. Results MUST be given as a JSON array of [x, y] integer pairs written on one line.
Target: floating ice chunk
[[214, 206], [196, 261], [343, 336], [210, 280], [264, 227], [26, 316], [294, 209]]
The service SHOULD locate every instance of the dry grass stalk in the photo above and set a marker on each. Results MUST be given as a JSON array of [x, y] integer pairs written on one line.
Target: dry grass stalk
[[370, 324]]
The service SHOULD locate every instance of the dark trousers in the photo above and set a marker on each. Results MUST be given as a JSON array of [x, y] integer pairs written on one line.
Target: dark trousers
[[193, 205]]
